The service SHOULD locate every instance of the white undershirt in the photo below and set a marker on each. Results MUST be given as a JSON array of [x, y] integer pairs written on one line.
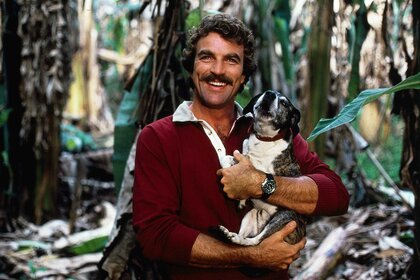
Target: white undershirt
[[184, 114]]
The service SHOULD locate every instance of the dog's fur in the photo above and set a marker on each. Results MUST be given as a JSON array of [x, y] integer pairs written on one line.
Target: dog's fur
[[273, 113]]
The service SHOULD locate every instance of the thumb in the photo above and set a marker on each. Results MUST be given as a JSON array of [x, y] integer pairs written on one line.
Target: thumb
[[238, 156], [288, 228]]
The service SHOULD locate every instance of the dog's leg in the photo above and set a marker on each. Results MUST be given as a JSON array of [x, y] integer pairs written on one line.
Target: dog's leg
[[277, 222], [252, 223], [227, 161], [254, 227], [242, 204], [245, 147]]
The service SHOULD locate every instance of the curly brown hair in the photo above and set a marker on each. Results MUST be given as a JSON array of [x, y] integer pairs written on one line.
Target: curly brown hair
[[229, 28]]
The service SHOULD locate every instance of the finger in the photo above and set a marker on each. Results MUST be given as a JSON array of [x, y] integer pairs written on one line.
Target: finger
[[284, 266], [219, 172], [285, 231], [238, 156], [288, 228], [301, 244]]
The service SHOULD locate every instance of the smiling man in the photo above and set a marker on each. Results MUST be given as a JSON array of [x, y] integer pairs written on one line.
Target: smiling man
[[180, 193]]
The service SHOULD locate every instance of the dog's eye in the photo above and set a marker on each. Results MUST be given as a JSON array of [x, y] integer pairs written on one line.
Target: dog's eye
[[284, 103]]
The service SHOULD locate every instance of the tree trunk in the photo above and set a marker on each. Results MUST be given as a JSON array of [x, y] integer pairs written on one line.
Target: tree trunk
[[407, 104], [45, 69], [317, 86], [21, 158]]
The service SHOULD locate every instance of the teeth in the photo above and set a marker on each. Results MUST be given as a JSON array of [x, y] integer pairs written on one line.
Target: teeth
[[218, 84]]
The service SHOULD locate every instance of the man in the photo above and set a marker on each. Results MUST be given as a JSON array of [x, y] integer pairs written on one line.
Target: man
[[180, 191]]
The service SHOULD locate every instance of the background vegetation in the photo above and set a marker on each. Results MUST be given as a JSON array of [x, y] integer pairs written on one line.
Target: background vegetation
[[80, 75]]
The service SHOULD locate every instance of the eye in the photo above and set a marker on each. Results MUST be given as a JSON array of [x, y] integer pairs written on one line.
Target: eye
[[284, 103], [232, 60], [205, 57]]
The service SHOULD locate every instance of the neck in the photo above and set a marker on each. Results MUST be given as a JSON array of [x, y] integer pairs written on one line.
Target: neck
[[220, 119], [281, 135], [225, 114]]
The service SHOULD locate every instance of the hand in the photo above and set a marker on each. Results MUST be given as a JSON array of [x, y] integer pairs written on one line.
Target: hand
[[242, 180], [277, 254]]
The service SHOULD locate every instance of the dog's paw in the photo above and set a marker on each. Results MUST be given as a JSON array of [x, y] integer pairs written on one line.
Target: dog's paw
[[225, 231], [242, 204], [236, 238], [227, 161], [231, 236]]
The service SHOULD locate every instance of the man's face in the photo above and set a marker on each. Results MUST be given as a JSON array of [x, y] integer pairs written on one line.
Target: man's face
[[218, 71]]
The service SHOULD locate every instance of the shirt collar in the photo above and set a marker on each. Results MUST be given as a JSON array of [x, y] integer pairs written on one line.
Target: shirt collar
[[183, 113]]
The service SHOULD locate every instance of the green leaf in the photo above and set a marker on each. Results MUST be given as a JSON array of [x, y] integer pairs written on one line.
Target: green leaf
[[125, 125], [349, 112], [4, 115], [194, 17], [90, 246], [5, 158]]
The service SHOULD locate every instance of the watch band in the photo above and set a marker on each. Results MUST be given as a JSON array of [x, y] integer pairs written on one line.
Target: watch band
[[268, 186]]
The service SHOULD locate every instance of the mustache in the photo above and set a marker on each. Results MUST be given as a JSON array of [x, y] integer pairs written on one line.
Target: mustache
[[221, 78]]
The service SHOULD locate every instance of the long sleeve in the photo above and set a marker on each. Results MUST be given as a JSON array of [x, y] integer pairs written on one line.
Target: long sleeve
[[156, 203], [333, 197], [177, 193]]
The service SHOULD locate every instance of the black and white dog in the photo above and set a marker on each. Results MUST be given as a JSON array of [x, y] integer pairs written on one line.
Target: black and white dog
[[270, 149]]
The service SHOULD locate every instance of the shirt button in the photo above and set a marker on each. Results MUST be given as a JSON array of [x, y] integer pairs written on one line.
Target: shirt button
[[219, 150]]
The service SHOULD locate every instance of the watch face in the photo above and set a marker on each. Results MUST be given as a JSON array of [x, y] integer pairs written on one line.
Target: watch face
[[269, 186]]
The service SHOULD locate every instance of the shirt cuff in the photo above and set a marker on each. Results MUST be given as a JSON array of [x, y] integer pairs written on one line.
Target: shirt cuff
[[328, 201], [179, 245]]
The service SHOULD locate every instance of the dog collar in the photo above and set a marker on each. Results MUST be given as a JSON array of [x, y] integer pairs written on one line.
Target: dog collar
[[282, 134]]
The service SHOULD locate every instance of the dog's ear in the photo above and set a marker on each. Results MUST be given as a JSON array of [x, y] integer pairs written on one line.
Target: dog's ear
[[295, 120], [249, 108]]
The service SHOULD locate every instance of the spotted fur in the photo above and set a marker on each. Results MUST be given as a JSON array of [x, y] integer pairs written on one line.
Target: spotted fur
[[272, 113]]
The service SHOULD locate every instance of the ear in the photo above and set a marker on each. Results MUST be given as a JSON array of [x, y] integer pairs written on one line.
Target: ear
[[249, 108], [295, 120]]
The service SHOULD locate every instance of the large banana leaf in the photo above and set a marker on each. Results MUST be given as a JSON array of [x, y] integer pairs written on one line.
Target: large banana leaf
[[349, 112], [125, 125]]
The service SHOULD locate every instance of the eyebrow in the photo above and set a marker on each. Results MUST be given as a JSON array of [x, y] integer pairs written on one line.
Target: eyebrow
[[205, 52], [229, 55]]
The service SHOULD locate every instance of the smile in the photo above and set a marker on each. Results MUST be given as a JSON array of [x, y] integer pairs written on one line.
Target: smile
[[217, 84]]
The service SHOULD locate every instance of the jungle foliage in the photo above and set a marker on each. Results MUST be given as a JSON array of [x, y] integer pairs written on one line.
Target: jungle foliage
[[322, 54]]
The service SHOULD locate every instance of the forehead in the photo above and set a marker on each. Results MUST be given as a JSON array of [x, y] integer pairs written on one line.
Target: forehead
[[280, 96], [216, 44]]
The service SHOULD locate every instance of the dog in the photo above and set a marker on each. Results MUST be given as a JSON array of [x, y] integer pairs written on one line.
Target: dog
[[270, 149]]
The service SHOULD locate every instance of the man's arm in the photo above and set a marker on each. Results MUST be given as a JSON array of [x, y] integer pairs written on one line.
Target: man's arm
[[164, 237], [242, 181], [318, 191], [272, 253]]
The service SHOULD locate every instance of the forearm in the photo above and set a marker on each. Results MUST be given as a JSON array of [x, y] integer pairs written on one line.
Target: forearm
[[319, 191], [297, 193], [211, 253], [273, 252]]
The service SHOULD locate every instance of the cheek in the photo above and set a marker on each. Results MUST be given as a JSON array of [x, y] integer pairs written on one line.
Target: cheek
[[199, 69], [281, 120]]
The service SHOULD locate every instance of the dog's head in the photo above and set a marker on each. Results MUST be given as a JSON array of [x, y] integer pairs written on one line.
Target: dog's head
[[272, 112]]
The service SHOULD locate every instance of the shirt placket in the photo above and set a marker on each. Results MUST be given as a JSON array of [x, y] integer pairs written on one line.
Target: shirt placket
[[214, 139]]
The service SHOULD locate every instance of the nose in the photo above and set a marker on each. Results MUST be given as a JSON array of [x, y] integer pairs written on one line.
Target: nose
[[266, 100], [269, 96], [218, 67]]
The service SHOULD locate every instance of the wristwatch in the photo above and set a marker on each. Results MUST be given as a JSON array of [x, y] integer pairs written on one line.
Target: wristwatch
[[268, 186]]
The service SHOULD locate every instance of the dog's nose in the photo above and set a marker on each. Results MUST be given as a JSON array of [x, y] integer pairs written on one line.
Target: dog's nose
[[270, 94], [268, 98]]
